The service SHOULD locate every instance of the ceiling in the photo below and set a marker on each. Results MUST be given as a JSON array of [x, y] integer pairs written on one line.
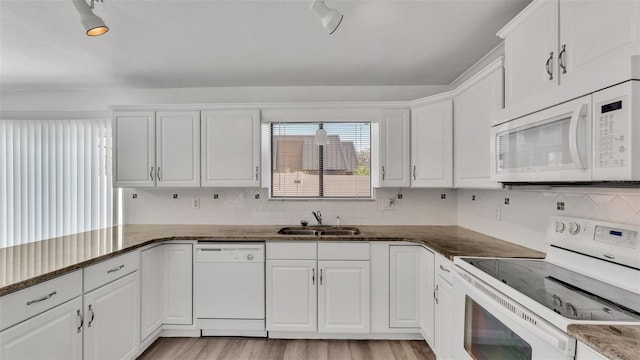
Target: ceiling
[[211, 43]]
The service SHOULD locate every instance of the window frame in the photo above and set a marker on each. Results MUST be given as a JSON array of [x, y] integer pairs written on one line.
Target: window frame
[[269, 151]]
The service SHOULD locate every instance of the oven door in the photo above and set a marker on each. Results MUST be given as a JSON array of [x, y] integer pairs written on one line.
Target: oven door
[[552, 145], [489, 325]]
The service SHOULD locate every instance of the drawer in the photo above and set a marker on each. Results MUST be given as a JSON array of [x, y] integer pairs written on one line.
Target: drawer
[[292, 250], [343, 251], [110, 270], [444, 268], [24, 304]]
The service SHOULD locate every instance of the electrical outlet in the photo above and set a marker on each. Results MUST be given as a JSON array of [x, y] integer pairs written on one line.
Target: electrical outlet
[[388, 204], [498, 213], [196, 203]]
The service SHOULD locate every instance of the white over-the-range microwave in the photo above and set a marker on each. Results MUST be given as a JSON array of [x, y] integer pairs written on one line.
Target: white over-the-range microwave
[[594, 138]]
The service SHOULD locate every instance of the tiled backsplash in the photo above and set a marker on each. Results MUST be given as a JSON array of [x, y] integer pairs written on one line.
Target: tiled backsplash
[[240, 206], [524, 218]]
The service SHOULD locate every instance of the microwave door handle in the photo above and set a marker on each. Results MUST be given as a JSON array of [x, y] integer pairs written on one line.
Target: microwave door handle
[[573, 134]]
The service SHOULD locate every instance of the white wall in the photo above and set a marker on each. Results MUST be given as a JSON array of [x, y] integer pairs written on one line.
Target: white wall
[[101, 99], [524, 219], [239, 207]]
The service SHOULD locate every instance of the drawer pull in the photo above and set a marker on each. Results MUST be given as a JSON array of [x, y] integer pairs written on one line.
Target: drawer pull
[[93, 315], [443, 268], [81, 321], [115, 269], [42, 298]]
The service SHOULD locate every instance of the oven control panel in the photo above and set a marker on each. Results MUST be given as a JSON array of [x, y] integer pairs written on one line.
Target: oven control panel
[[619, 243]]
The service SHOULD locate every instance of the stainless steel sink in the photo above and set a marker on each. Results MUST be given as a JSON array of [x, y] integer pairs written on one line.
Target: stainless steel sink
[[319, 230]]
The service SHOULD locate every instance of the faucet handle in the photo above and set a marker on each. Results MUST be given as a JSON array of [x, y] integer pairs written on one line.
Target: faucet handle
[[304, 223]]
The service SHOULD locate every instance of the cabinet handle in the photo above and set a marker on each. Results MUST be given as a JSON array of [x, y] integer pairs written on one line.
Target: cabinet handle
[[561, 56], [435, 294], [158, 173], [93, 315], [257, 170], [548, 66], [443, 268], [320, 276], [42, 298], [81, 321], [313, 276], [151, 173], [115, 269], [383, 173], [414, 172]]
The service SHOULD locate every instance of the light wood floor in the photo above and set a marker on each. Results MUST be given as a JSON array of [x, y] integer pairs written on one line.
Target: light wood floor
[[216, 348]]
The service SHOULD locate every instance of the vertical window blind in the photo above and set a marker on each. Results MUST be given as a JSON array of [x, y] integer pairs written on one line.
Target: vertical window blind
[[300, 168], [55, 178]]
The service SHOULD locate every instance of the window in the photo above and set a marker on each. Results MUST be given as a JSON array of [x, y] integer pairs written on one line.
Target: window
[[300, 168], [55, 178]]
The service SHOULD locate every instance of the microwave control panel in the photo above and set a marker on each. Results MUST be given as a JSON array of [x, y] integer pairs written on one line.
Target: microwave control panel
[[612, 134]]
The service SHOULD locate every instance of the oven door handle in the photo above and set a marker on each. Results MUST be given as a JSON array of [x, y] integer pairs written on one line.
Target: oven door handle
[[580, 113], [516, 313]]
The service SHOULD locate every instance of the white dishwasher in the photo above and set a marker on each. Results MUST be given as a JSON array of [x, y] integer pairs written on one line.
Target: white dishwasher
[[229, 289]]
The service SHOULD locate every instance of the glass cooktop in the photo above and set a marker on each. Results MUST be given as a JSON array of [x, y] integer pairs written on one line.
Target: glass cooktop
[[566, 292]]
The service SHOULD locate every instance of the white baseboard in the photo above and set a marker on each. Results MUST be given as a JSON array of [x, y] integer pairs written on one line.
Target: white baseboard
[[351, 336], [179, 333]]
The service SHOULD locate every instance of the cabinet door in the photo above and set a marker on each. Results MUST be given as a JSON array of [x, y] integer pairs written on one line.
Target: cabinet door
[[344, 297], [150, 291], [432, 145], [473, 110], [443, 318], [394, 148], [231, 148], [178, 148], [291, 295], [427, 302], [598, 38], [177, 280], [403, 286], [528, 50], [112, 321], [54, 334], [134, 149]]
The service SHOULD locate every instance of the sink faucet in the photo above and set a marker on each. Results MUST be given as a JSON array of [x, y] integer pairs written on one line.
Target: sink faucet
[[318, 216]]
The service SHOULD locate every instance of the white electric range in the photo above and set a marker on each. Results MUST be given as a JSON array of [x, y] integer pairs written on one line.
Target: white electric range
[[521, 308]]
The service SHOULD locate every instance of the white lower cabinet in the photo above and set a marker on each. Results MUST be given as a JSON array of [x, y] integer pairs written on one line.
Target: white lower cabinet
[[404, 301], [54, 334], [343, 297], [112, 320], [177, 284], [291, 295], [150, 291], [583, 352], [444, 297], [426, 261]]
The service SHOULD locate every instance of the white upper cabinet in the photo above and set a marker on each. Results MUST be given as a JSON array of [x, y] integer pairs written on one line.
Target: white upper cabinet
[[134, 152], [473, 109], [156, 149], [532, 52], [394, 148], [557, 50], [432, 145], [231, 148], [178, 148]]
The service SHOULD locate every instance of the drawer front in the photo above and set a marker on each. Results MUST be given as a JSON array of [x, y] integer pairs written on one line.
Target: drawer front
[[292, 250], [24, 304], [343, 251], [110, 270], [444, 268]]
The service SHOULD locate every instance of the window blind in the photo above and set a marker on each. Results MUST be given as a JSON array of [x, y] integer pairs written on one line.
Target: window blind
[[55, 178], [303, 169]]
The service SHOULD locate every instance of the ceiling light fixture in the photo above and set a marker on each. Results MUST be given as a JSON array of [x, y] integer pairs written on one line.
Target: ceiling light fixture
[[330, 18], [321, 136], [93, 24]]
